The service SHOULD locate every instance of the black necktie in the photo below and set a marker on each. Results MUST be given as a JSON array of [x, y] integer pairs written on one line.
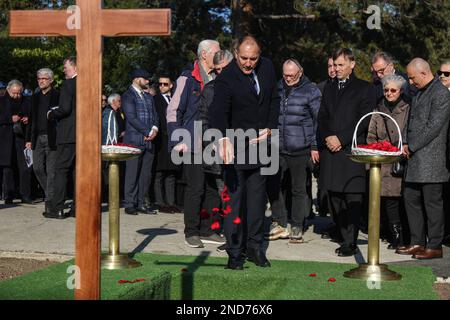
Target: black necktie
[[253, 82], [341, 85], [168, 97]]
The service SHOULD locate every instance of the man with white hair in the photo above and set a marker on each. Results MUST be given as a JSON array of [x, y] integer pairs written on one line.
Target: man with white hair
[[41, 133], [182, 112], [425, 146], [14, 116]]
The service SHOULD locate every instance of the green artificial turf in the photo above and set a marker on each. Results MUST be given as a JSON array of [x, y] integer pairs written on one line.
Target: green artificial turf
[[204, 278]]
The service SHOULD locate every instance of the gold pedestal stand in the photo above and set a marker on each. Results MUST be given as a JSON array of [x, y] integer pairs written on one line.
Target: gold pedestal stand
[[114, 260], [373, 271]]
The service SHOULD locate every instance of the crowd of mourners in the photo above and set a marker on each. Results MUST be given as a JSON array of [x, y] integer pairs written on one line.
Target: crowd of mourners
[[225, 203]]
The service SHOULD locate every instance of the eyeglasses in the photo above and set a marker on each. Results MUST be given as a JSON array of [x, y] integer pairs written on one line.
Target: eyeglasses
[[443, 73], [43, 79], [164, 84], [382, 70], [392, 90]]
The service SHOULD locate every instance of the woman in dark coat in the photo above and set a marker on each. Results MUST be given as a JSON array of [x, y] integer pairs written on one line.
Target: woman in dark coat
[[382, 128]]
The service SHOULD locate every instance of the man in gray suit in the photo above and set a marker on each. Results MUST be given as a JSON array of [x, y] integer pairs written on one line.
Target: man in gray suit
[[426, 149]]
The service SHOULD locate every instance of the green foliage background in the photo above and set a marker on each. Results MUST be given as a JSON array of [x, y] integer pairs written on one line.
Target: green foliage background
[[307, 30]]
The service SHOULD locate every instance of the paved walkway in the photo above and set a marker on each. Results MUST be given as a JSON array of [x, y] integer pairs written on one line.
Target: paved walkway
[[24, 230]]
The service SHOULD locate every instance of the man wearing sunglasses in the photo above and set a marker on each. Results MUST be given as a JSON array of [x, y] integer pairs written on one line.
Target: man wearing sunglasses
[[444, 73], [382, 66]]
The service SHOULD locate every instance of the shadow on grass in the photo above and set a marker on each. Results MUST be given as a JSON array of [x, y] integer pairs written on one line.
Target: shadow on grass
[[187, 275]]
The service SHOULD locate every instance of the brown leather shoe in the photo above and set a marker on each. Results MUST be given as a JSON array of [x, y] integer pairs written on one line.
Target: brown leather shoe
[[409, 250], [428, 254]]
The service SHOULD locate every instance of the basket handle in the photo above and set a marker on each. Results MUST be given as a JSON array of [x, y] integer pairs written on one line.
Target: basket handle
[[111, 138], [400, 142]]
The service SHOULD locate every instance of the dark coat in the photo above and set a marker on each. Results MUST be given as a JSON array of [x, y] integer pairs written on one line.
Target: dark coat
[[66, 113], [32, 133], [236, 105], [6, 132], [427, 135], [7, 135], [391, 186], [182, 111], [339, 114], [297, 121], [163, 159], [206, 99]]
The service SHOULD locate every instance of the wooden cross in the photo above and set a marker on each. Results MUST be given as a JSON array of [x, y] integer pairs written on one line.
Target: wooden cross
[[88, 22]]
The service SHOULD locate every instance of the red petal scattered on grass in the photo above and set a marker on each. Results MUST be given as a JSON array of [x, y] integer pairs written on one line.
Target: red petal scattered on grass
[[313, 275], [184, 270], [332, 280], [133, 281]]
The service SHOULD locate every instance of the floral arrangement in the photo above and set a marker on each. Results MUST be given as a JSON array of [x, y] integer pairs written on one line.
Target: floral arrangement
[[120, 148], [381, 146]]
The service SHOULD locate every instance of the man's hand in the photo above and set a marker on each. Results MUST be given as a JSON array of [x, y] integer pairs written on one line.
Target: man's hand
[[263, 135], [153, 134], [226, 150], [181, 147], [315, 156], [24, 120], [333, 143], [406, 151], [28, 145], [15, 118]]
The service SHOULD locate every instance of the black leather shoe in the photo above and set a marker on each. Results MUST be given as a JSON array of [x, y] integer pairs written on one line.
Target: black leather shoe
[[258, 258], [131, 211], [55, 215], [347, 251], [146, 210], [234, 265]]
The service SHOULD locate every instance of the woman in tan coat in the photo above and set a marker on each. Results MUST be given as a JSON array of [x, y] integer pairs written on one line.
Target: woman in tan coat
[[382, 128]]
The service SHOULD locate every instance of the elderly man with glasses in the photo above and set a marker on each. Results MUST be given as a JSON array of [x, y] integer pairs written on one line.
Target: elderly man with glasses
[[382, 66], [297, 122], [444, 73], [41, 133]]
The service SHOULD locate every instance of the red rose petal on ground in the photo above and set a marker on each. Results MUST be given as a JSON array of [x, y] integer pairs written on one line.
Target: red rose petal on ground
[[237, 220], [332, 280], [184, 270], [123, 281], [313, 275]]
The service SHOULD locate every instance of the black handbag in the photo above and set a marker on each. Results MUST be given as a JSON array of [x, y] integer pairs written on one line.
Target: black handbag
[[398, 168]]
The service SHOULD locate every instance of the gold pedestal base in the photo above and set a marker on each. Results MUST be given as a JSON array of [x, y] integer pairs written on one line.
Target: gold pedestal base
[[118, 262], [374, 273]]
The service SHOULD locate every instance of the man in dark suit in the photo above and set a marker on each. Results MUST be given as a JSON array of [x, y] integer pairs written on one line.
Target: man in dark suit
[[166, 170], [141, 128], [425, 146], [15, 110], [344, 102], [245, 97], [65, 115], [41, 133]]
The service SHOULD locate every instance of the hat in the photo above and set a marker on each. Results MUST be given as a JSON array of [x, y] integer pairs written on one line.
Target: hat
[[140, 73], [2, 85]]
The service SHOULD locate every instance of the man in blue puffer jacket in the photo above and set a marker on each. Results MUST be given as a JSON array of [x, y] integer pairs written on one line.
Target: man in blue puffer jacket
[[297, 122]]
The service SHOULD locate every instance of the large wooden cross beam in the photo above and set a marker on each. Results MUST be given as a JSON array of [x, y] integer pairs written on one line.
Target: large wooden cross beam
[[88, 22]]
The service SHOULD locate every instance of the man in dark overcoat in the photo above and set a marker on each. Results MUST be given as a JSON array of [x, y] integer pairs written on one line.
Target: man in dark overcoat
[[245, 97], [344, 102]]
